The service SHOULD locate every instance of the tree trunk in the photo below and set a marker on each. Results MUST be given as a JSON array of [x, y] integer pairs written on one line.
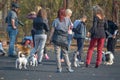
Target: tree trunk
[[115, 12], [64, 3], [67, 3]]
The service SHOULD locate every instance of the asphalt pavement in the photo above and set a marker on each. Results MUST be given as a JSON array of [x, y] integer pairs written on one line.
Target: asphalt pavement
[[47, 70]]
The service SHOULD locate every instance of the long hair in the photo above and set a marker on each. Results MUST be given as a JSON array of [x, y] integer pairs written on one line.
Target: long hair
[[98, 10], [42, 13], [61, 14]]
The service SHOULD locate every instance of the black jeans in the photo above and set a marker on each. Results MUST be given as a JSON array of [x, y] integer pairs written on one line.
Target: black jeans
[[111, 44], [33, 33]]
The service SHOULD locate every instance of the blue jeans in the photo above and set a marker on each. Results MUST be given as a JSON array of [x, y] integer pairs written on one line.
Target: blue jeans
[[12, 33], [70, 36], [80, 45], [40, 41]]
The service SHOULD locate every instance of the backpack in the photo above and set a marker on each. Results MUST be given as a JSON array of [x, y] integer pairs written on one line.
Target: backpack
[[77, 28]]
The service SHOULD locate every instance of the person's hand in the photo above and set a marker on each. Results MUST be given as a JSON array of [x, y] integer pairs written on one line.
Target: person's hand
[[114, 36], [71, 27], [88, 34], [14, 27]]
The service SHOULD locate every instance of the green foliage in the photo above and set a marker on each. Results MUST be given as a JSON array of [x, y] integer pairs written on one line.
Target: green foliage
[[78, 7]]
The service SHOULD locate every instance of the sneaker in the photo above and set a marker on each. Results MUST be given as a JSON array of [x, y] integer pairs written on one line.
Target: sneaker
[[86, 65], [81, 62], [47, 57], [59, 70], [96, 66], [70, 70], [40, 63]]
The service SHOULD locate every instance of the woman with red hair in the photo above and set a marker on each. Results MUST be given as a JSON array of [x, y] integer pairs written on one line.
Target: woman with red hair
[[58, 36]]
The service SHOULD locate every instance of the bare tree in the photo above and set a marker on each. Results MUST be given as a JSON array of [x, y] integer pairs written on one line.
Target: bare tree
[[115, 11], [64, 3]]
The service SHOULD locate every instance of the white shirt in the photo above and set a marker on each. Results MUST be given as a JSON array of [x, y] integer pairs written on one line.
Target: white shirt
[[1, 48]]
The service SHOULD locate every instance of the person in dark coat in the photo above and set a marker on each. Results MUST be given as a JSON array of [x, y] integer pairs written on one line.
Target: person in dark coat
[[111, 36], [98, 36]]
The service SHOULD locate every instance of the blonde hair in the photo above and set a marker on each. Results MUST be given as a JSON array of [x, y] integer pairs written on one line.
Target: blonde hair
[[32, 12], [68, 11], [42, 13], [37, 8]]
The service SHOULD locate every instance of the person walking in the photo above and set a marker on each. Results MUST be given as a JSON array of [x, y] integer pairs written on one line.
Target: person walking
[[32, 15], [111, 36], [68, 13], [12, 28], [59, 37], [80, 35], [97, 35], [40, 24]]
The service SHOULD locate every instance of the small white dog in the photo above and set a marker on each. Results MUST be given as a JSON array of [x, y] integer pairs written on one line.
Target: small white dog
[[108, 58], [75, 60], [33, 59], [21, 61]]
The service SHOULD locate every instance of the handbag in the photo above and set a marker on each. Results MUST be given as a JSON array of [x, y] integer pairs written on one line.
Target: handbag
[[60, 38]]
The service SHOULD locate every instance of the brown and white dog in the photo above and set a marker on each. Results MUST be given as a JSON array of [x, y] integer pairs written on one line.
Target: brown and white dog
[[23, 49], [21, 61]]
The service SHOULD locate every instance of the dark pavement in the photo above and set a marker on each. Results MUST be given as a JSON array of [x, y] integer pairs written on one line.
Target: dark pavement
[[47, 71]]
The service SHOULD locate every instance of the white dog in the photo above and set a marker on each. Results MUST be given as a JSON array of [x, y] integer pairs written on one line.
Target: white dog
[[33, 60], [21, 61], [75, 60], [108, 58]]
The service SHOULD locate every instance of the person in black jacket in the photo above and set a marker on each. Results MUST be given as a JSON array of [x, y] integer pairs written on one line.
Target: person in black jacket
[[80, 35], [111, 36], [97, 36], [40, 24], [32, 15]]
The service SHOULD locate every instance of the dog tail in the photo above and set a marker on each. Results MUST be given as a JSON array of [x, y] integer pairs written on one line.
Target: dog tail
[[19, 53]]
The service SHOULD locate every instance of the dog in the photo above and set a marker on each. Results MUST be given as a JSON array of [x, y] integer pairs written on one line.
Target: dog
[[75, 59], [108, 58], [33, 59], [21, 61], [24, 49]]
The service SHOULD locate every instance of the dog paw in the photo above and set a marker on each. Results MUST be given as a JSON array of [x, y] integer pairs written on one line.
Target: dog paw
[[25, 67], [20, 67], [33, 65], [75, 64]]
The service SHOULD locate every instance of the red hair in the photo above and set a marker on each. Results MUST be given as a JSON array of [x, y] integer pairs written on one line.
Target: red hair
[[61, 14]]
